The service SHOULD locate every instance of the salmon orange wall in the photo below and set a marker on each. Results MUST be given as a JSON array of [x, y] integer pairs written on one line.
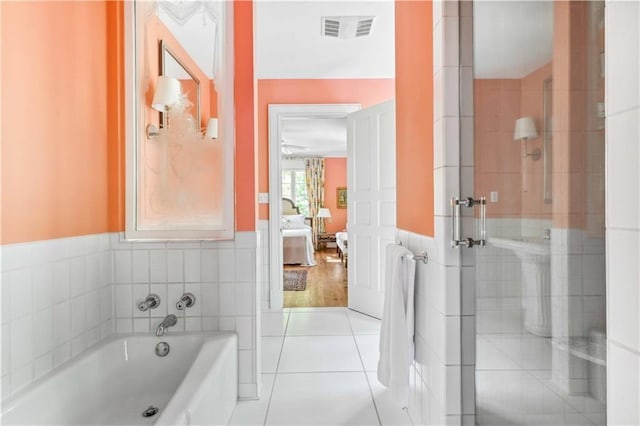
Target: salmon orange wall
[[532, 105], [245, 95], [414, 116], [116, 115], [570, 114], [56, 133], [498, 103], [366, 92], [497, 156], [65, 176], [335, 176]]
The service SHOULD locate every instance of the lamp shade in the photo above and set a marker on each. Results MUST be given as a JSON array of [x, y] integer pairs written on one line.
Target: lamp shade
[[326, 213], [525, 129], [212, 129], [167, 93]]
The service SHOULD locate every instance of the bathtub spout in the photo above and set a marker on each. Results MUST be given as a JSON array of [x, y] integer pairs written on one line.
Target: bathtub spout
[[169, 321]]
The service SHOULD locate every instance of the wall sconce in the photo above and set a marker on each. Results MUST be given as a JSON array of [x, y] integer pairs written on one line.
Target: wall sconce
[[526, 129], [167, 94], [212, 129]]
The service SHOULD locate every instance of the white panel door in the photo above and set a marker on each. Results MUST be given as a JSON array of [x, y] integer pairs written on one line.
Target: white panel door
[[371, 195]]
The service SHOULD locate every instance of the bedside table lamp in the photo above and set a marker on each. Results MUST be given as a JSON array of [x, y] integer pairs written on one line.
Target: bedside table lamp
[[325, 214]]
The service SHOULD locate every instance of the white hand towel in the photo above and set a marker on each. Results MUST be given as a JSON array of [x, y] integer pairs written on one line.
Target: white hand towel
[[396, 333]]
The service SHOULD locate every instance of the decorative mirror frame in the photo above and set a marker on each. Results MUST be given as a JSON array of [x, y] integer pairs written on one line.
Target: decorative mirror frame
[[135, 133]]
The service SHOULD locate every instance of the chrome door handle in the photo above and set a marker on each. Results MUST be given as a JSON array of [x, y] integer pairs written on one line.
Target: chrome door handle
[[456, 222]]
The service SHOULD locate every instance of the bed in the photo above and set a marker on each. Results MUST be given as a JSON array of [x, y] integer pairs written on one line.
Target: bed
[[342, 243], [297, 240]]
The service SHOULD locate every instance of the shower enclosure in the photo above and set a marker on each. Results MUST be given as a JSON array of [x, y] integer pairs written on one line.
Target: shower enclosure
[[538, 158]]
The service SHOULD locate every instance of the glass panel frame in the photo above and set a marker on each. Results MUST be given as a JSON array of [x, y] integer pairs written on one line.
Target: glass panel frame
[[138, 99], [540, 288]]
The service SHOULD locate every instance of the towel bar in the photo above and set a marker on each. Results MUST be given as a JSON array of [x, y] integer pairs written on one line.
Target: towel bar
[[423, 256]]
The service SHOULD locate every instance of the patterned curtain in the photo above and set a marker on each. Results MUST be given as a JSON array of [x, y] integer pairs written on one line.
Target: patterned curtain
[[314, 168]]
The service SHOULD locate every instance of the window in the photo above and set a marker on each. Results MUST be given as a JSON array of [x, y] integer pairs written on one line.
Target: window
[[294, 187]]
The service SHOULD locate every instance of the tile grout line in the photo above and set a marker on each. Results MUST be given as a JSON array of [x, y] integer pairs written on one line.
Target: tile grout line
[[364, 370], [275, 375]]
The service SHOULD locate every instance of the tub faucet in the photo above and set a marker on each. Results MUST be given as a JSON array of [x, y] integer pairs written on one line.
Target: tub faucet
[[169, 321]]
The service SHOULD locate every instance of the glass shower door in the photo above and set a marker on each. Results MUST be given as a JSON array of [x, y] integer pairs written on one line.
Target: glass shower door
[[538, 90]]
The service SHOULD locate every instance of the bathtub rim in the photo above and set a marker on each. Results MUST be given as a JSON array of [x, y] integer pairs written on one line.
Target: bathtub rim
[[9, 403]]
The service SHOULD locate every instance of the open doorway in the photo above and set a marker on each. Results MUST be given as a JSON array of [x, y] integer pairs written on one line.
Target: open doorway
[[308, 158], [315, 273]]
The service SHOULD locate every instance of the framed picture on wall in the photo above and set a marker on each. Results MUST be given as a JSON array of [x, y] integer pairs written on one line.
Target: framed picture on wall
[[341, 197]]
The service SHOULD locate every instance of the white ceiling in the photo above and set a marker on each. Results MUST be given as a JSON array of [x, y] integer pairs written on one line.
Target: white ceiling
[[511, 38], [289, 41], [289, 44], [314, 137]]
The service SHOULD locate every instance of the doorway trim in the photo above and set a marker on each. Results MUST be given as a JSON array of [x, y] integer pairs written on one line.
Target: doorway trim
[[278, 112]]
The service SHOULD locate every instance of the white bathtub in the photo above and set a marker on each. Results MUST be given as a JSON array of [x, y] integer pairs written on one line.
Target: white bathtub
[[195, 384]]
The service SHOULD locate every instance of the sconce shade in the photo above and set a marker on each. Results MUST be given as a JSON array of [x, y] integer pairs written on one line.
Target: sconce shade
[[525, 129], [212, 129], [167, 93], [323, 212]]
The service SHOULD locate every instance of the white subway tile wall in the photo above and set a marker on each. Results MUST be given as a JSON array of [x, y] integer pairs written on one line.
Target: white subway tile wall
[[265, 282], [622, 58], [445, 332], [220, 274], [61, 297], [56, 303], [436, 374]]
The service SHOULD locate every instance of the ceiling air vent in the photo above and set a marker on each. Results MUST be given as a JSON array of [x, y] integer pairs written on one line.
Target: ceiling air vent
[[347, 26], [331, 27]]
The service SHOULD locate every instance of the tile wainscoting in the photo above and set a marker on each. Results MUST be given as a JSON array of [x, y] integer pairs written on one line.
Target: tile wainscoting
[[221, 275], [265, 271], [622, 59], [56, 303], [440, 373], [63, 296]]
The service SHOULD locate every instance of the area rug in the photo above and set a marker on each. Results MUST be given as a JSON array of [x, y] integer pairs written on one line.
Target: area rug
[[295, 280]]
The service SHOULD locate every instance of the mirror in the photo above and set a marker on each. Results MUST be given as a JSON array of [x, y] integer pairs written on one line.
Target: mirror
[[179, 177], [513, 58], [172, 66]]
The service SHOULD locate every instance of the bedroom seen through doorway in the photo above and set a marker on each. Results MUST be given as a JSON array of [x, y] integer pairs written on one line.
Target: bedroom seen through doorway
[[314, 211]]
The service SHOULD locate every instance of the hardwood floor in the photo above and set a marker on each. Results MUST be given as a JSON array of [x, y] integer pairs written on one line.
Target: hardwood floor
[[326, 283]]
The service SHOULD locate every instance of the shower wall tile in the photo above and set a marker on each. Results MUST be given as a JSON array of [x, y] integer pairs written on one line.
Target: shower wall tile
[[451, 49], [440, 311], [222, 275], [61, 297], [52, 308], [623, 380], [623, 150], [622, 58], [622, 52], [265, 270], [439, 333]]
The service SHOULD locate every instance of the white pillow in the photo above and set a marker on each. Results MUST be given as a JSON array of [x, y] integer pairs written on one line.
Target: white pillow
[[293, 218]]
